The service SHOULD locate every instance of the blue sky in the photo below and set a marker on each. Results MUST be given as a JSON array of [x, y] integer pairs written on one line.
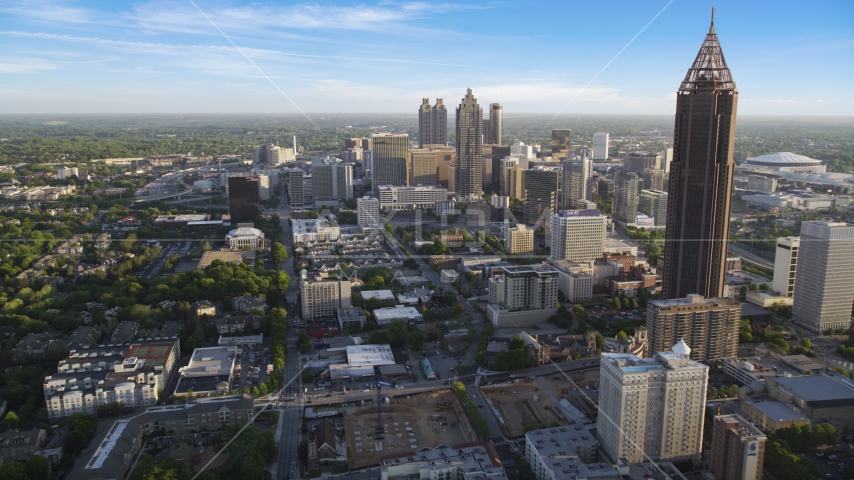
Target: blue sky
[[787, 58]]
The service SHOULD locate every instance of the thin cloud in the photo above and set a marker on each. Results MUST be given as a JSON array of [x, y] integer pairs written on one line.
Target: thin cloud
[[17, 65]]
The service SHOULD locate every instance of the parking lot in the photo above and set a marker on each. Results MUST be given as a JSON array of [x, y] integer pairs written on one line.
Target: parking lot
[[171, 248], [252, 366], [440, 359], [834, 463]]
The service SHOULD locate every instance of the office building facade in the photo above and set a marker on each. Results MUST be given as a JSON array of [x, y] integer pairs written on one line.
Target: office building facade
[[332, 180], [785, 266], [708, 325], [701, 177], [541, 189], [561, 142], [469, 176], [410, 198], [653, 179], [738, 449], [496, 124], [432, 123], [422, 167], [626, 197], [654, 204], [652, 407], [601, 143], [390, 159], [244, 198], [296, 187], [578, 235], [639, 161], [824, 291]]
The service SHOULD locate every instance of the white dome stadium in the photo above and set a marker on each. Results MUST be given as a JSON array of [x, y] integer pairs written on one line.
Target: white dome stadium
[[783, 159]]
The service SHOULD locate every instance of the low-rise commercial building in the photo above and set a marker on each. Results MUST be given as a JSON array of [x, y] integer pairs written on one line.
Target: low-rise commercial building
[[409, 198], [827, 396], [245, 238], [208, 373], [475, 461], [19, 446], [399, 312], [323, 229]]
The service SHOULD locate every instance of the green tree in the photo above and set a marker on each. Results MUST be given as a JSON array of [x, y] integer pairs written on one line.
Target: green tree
[[616, 304], [13, 471], [806, 343], [621, 335], [10, 421], [37, 468], [279, 253]]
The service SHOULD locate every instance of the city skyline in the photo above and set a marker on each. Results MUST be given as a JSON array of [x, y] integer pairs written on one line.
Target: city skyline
[[71, 57]]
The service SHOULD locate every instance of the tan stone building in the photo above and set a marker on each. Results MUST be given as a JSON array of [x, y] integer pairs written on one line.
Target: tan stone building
[[519, 239], [708, 325]]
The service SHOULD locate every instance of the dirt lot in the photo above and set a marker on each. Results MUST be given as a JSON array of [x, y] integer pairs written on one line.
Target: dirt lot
[[410, 424], [518, 408]]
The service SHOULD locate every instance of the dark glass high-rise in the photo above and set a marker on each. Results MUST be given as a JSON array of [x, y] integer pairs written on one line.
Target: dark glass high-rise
[[701, 176]]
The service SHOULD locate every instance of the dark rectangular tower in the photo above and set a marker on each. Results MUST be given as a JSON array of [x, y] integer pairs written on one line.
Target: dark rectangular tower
[[432, 123], [469, 179], [244, 198], [701, 177]]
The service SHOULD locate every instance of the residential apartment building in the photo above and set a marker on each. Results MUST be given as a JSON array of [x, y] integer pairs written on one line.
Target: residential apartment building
[[578, 235], [519, 239], [738, 449], [410, 198], [708, 325], [20, 446], [114, 451], [565, 452], [322, 229], [532, 287], [134, 375], [786, 266], [576, 175], [824, 291], [652, 407], [389, 159], [626, 197], [322, 297], [368, 211]]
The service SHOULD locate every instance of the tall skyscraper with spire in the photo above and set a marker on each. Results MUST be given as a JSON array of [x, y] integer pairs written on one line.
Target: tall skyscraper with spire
[[432, 123], [701, 176], [469, 176]]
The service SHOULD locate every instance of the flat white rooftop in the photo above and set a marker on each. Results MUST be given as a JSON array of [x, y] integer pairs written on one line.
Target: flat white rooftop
[[377, 294], [369, 355], [210, 361]]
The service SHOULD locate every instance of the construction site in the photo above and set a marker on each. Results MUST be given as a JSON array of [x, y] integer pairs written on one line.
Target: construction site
[[424, 420], [542, 402]]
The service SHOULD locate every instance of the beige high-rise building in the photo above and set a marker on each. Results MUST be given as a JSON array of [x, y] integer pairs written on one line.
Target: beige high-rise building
[[785, 266], [708, 325], [519, 239], [578, 235], [824, 290], [738, 449], [322, 297], [445, 157], [390, 159], [515, 181], [422, 167], [432, 123], [576, 174], [332, 180], [626, 197], [652, 407]]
